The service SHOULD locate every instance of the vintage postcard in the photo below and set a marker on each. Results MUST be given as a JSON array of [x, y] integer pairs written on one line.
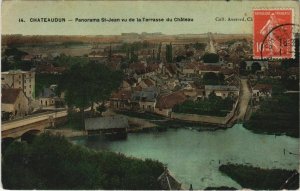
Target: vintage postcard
[[150, 95]]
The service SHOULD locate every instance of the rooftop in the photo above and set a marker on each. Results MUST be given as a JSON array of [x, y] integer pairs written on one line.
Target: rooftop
[[10, 95], [112, 122], [169, 101], [221, 87]]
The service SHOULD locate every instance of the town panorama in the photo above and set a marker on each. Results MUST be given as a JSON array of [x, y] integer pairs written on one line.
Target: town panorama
[[147, 111]]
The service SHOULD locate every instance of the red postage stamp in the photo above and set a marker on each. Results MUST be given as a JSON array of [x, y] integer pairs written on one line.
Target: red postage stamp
[[273, 34]]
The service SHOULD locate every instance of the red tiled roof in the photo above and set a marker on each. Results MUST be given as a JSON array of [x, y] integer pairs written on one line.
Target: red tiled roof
[[227, 71], [152, 67], [148, 82], [169, 101], [170, 69], [263, 87], [122, 94], [10, 95], [209, 68], [138, 88]]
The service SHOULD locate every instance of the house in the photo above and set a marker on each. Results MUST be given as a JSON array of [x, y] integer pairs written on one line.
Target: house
[[189, 68], [46, 97], [120, 99], [111, 125], [145, 83], [208, 68], [13, 100], [221, 90], [261, 91], [129, 82], [170, 70], [165, 103], [145, 100], [28, 57], [20, 79], [227, 72]]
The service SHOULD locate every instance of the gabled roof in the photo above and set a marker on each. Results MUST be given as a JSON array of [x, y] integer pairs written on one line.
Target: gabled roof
[[209, 68], [221, 88], [10, 95], [122, 94], [263, 87], [169, 101], [113, 122], [148, 82]]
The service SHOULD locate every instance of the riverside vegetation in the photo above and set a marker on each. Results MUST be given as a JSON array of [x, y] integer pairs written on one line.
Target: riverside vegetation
[[51, 162], [279, 114], [260, 179]]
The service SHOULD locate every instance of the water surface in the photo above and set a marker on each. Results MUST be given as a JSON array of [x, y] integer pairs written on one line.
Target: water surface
[[194, 157]]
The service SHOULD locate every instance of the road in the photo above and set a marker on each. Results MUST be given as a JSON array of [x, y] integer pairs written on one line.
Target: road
[[29, 120], [245, 96]]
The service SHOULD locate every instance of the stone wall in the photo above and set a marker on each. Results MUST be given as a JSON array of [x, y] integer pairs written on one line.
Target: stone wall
[[206, 118]]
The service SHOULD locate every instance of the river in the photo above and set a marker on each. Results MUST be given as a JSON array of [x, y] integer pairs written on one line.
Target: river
[[193, 157]]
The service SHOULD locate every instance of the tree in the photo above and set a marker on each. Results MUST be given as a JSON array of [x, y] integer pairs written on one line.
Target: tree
[[210, 58], [158, 52], [169, 53], [211, 78], [255, 67], [85, 84], [243, 66]]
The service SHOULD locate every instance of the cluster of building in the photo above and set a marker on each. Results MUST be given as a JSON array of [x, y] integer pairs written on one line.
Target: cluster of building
[[158, 87], [18, 97]]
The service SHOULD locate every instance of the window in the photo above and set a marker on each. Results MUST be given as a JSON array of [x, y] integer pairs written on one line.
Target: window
[[29, 86], [19, 82], [19, 105], [24, 87], [2, 78], [20, 76], [24, 81]]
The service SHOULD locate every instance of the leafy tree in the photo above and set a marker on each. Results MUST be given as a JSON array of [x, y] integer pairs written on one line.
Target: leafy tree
[[85, 84], [169, 53], [211, 78], [255, 67], [243, 66], [210, 58], [158, 52]]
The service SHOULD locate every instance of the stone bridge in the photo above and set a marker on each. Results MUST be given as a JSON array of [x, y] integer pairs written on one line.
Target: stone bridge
[[22, 128]]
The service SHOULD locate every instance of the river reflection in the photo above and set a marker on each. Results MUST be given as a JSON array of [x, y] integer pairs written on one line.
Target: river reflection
[[194, 157]]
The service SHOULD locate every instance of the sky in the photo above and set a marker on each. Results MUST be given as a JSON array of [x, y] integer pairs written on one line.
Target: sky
[[204, 14]]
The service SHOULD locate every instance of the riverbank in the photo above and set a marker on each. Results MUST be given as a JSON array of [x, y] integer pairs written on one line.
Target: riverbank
[[66, 132], [261, 179]]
